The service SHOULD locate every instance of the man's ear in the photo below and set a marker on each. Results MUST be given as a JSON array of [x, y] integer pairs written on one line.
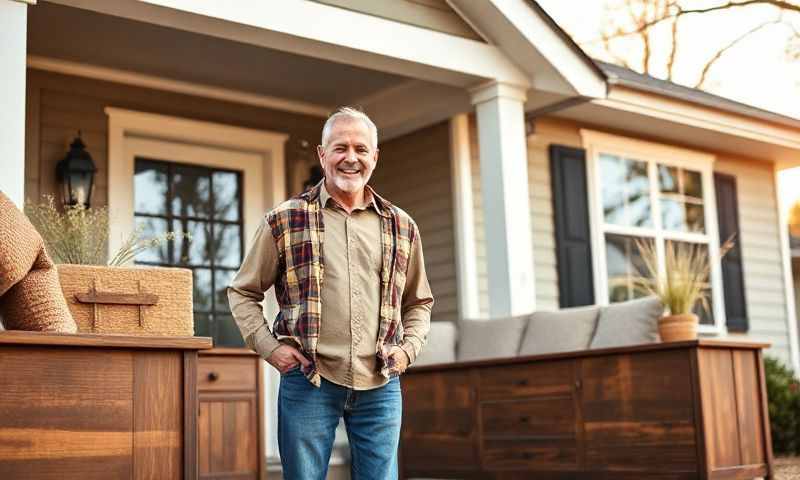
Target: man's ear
[[321, 154]]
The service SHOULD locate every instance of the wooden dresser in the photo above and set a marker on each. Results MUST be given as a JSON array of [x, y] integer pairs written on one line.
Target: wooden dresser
[[82, 406], [683, 410], [231, 418]]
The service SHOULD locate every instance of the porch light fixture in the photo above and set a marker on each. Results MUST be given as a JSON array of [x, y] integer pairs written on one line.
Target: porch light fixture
[[76, 173]]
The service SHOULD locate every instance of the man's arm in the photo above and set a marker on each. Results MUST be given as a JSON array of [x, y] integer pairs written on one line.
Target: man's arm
[[257, 274], [417, 303]]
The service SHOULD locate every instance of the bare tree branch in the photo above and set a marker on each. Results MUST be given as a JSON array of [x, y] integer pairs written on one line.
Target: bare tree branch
[[704, 74]]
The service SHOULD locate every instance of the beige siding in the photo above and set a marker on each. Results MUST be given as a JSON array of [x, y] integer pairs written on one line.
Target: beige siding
[[761, 252], [766, 297], [431, 14], [414, 173], [60, 105]]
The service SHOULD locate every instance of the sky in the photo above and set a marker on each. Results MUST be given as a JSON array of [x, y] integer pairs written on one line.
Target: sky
[[756, 71]]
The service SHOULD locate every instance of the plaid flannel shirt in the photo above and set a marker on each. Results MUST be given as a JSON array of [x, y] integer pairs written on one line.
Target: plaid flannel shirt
[[299, 232]]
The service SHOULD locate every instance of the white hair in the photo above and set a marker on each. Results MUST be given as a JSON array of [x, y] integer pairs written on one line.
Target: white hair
[[351, 113]]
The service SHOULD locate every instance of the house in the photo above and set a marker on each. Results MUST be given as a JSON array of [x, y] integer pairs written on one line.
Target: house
[[529, 167]]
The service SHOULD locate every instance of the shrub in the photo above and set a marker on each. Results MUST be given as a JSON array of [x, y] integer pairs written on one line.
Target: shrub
[[783, 392]]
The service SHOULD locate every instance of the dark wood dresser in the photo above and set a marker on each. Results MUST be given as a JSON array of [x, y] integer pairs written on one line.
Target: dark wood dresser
[[84, 407], [231, 418], [683, 410]]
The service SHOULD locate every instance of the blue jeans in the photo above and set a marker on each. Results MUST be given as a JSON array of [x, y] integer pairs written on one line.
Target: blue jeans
[[307, 421]]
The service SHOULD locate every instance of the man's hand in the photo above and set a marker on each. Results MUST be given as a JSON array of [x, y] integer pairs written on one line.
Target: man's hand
[[286, 357], [400, 360]]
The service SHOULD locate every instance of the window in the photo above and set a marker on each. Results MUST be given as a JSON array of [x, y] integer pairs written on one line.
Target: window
[[206, 203], [640, 191]]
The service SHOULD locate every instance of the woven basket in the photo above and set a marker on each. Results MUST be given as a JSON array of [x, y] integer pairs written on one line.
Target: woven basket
[[129, 300]]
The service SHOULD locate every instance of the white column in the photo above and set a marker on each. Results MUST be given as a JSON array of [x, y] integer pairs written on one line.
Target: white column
[[13, 27], [463, 217], [506, 205]]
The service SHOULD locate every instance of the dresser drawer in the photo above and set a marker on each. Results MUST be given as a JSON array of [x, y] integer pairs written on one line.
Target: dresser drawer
[[546, 416], [530, 453], [526, 380], [226, 373]]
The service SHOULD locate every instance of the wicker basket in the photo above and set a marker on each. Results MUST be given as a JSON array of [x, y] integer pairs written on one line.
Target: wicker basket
[[129, 300]]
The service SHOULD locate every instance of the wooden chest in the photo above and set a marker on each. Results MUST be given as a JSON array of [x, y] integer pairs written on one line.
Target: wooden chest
[[684, 410], [91, 407]]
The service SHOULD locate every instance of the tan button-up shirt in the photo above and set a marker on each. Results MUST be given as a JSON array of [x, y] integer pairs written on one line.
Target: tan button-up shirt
[[350, 296]]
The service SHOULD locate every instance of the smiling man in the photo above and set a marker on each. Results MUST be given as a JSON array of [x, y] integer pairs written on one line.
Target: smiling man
[[355, 307]]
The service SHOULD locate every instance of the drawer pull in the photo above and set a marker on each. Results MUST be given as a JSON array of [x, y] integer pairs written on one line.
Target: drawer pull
[[213, 376], [521, 383], [523, 419]]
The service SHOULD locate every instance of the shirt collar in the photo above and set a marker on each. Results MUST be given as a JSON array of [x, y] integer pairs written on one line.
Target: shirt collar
[[369, 197]]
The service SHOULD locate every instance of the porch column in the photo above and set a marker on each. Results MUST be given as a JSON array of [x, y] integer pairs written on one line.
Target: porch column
[[506, 207], [13, 26]]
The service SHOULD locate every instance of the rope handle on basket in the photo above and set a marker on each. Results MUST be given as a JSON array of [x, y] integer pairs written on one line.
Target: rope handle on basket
[[96, 297]]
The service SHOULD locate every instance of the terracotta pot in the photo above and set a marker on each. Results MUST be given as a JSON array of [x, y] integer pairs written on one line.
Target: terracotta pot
[[676, 328]]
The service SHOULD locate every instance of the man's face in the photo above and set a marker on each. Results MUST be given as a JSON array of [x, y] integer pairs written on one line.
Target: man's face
[[349, 157]]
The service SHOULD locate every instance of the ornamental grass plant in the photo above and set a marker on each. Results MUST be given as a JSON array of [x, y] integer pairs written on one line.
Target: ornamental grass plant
[[79, 235], [684, 282]]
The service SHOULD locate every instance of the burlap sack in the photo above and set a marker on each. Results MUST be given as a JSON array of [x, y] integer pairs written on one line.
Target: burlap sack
[[30, 295]]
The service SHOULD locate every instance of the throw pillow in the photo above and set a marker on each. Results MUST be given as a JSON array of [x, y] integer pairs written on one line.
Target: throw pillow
[[492, 338], [628, 323], [440, 345], [565, 330]]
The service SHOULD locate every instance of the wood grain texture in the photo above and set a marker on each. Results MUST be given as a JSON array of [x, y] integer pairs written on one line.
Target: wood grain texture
[[230, 444], [158, 415], [19, 337], [719, 406], [190, 413], [227, 374], [91, 412], [629, 413]]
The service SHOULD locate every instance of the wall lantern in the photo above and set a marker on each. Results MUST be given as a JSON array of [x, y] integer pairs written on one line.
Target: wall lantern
[[76, 174]]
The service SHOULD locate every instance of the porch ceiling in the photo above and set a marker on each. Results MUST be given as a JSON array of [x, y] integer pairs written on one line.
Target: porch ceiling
[[85, 36]]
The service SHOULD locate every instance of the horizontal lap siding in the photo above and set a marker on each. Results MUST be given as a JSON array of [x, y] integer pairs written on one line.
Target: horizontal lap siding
[[413, 172], [761, 252]]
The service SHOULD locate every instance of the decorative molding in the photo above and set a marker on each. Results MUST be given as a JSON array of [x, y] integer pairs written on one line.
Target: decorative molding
[[29, 2], [178, 86]]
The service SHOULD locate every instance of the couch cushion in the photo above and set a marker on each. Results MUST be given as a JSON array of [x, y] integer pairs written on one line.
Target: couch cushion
[[564, 330], [440, 346], [628, 323], [494, 338]]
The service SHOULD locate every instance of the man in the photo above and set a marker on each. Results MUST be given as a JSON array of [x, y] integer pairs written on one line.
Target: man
[[355, 306]]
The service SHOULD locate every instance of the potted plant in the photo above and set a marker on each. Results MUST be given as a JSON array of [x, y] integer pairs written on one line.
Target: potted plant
[[681, 286], [108, 295]]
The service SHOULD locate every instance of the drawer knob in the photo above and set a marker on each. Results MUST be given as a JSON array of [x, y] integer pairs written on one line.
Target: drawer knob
[[527, 455], [521, 383], [213, 376], [523, 419]]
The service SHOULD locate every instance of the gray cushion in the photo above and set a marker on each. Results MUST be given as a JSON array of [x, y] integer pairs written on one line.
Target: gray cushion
[[564, 330], [628, 323], [493, 338], [440, 346]]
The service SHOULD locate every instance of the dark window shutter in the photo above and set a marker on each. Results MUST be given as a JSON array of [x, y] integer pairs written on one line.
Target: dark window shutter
[[732, 271], [571, 217]]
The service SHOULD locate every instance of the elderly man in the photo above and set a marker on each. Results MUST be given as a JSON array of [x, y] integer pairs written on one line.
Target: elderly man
[[355, 306]]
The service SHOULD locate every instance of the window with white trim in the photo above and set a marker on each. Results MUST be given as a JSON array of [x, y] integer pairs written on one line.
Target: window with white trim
[[655, 194]]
